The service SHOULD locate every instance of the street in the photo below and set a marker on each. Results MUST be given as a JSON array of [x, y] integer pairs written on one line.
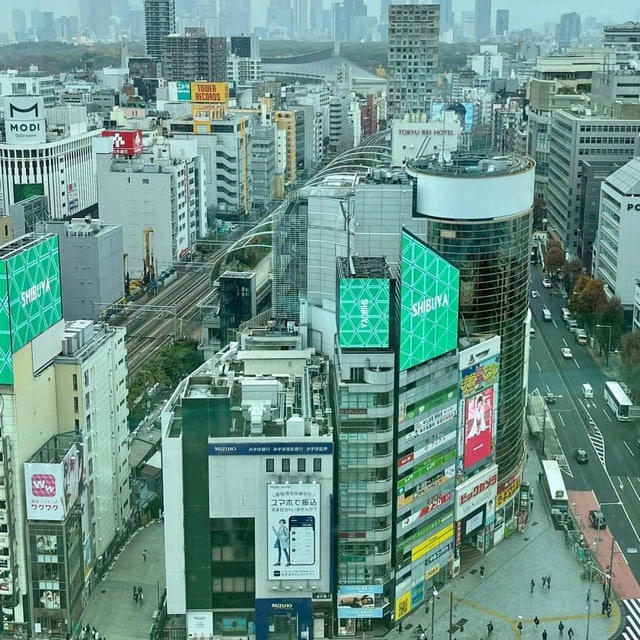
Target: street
[[614, 455]]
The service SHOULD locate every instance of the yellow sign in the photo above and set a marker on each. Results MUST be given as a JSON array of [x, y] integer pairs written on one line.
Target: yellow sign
[[431, 543], [212, 92], [508, 492], [432, 572], [403, 605]]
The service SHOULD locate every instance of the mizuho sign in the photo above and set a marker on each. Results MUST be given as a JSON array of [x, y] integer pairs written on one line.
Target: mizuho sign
[[24, 120]]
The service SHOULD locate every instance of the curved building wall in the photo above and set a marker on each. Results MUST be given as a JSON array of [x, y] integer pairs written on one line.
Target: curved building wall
[[492, 255]]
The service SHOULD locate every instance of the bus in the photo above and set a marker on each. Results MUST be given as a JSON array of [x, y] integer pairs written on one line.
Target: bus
[[553, 488], [618, 400]]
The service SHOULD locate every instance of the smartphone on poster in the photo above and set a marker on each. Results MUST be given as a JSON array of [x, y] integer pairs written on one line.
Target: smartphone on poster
[[302, 540]]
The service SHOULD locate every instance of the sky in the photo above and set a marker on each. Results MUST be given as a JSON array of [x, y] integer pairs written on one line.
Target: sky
[[523, 12]]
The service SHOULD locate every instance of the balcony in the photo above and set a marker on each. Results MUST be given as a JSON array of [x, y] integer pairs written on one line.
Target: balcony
[[373, 486], [377, 559], [373, 462], [379, 535], [385, 378], [370, 511]]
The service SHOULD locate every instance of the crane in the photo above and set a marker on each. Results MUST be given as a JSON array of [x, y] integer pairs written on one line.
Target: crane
[[149, 271]]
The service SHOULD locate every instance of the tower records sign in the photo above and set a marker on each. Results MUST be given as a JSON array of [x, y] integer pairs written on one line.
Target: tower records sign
[[24, 121]]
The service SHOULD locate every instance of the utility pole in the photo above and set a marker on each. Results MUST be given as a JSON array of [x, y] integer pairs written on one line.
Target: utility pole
[[450, 614], [589, 602], [606, 326], [544, 427], [613, 542], [434, 593]]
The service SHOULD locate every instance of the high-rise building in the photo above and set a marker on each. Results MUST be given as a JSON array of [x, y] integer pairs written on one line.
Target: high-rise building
[[245, 46], [19, 24], [280, 18], [446, 16], [574, 136], [159, 22], [483, 19], [235, 17], [502, 22], [349, 20], [300, 16], [195, 56], [487, 237], [95, 16], [263, 163], [568, 31], [624, 40], [413, 56]]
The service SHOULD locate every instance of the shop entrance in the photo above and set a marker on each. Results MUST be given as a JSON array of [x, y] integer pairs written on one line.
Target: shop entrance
[[283, 626]]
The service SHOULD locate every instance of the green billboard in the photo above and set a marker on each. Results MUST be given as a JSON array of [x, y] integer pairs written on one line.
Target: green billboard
[[35, 301], [364, 313], [6, 355], [429, 300]]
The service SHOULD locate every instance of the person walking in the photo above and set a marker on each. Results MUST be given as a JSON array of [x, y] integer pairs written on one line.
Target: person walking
[[544, 635], [533, 585], [540, 475], [135, 593], [520, 627], [144, 555], [141, 597], [489, 629], [548, 582], [560, 627], [531, 505], [400, 627], [544, 581], [608, 609], [604, 607], [570, 633], [536, 621]]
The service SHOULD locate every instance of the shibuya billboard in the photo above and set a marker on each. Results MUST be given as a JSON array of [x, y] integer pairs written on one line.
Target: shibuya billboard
[[428, 303], [364, 313]]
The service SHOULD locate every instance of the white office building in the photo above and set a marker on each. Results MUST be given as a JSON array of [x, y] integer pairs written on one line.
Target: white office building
[[616, 256]]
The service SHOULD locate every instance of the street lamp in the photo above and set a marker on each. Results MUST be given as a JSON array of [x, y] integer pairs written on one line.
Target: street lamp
[[606, 326], [434, 595]]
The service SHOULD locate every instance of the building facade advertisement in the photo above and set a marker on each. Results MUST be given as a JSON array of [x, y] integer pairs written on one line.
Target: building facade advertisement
[[424, 405], [292, 614], [364, 313], [476, 491], [426, 448], [436, 502], [210, 92], [506, 491], [403, 605], [75, 474], [269, 448], [44, 490], [361, 601], [428, 303], [479, 427], [479, 377], [199, 624], [125, 142], [293, 521], [423, 468], [24, 120], [434, 541], [423, 426], [183, 91], [463, 110]]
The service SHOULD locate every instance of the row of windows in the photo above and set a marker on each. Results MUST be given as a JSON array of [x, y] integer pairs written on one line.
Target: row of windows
[[610, 128], [285, 465]]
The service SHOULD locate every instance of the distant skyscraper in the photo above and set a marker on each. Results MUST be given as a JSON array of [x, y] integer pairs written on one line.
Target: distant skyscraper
[[280, 17], [349, 20], [446, 15], [235, 17], [384, 11], [502, 22], [300, 16], [159, 22], [19, 23], [483, 19], [413, 54], [568, 29], [195, 56]]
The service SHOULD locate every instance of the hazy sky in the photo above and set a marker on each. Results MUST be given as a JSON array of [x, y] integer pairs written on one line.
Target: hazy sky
[[523, 12]]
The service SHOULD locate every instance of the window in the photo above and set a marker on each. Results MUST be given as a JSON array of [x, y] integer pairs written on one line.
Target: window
[[270, 465], [302, 465], [75, 404], [317, 465], [86, 378], [286, 465], [74, 379]]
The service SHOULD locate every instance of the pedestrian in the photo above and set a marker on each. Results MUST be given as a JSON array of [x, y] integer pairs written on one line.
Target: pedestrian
[[481, 570], [540, 476], [489, 629], [141, 597], [400, 627], [144, 555], [570, 633], [520, 627], [531, 505], [533, 585], [544, 580], [608, 609], [536, 621], [548, 582], [560, 627], [544, 635], [604, 607]]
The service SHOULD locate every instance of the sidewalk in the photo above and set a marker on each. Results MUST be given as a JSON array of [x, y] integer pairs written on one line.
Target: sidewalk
[[111, 609], [503, 595]]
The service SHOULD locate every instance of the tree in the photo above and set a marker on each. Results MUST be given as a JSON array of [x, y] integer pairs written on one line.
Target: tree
[[611, 315], [553, 258], [589, 300], [572, 271], [630, 353]]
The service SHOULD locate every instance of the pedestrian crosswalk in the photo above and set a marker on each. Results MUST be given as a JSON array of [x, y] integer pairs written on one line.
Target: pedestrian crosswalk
[[597, 441], [632, 615]]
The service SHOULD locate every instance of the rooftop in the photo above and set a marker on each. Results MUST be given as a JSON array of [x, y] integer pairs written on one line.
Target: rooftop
[[54, 450], [22, 243], [627, 178], [360, 267], [470, 165]]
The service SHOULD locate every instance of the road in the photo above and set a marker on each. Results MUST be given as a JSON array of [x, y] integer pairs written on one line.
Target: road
[[614, 455]]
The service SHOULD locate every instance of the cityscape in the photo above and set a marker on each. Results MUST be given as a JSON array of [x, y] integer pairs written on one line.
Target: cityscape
[[319, 319]]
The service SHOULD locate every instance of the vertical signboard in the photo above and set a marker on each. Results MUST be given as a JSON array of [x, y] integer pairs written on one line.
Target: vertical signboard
[[74, 474], [183, 91], [429, 299], [364, 313], [44, 491], [6, 354], [293, 523], [24, 121]]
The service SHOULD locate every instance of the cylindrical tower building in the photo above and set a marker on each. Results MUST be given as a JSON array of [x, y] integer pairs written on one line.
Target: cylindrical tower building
[[479, 218]]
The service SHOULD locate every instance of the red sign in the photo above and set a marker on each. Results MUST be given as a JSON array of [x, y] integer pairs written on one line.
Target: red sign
[[125, 142], [478, 427], [405, 460], [481, 487]]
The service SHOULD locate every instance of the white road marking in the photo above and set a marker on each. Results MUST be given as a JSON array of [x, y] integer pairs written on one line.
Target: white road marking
[[629, 448], [606, 413], [561, 419], [554, 324], [577, 365], [565, 342], [538, 365]]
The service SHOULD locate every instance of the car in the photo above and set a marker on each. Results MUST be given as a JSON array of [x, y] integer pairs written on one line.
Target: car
[[534, 293], [566, 353], [597, 519], [546, 283], [581, 456]]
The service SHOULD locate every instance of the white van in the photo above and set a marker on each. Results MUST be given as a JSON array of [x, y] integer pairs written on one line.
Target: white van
[[587, 390], [566, 314], [546, 315]]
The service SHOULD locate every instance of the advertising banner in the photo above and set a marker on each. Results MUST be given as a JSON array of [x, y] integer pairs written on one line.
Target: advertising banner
[[360, 601], [463, 110], [403, 605], [50, 599], [269, 448], [293, 521], [428, 303], [75, 474], [364, 313], [210, 92], [479, 427], [432, 542], [506, 490], [44, 491], [478, 490], [437, 418], [35, 302], [125, 143], [24, 120], [199, 624], [426, 510], [183, 91]]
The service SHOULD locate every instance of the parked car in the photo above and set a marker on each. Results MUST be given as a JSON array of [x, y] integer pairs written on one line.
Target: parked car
[[566, 353], [581, 336], [549, 398], [572, 325], [597, 519], [546, 283], [581, 456], [534, 293]]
